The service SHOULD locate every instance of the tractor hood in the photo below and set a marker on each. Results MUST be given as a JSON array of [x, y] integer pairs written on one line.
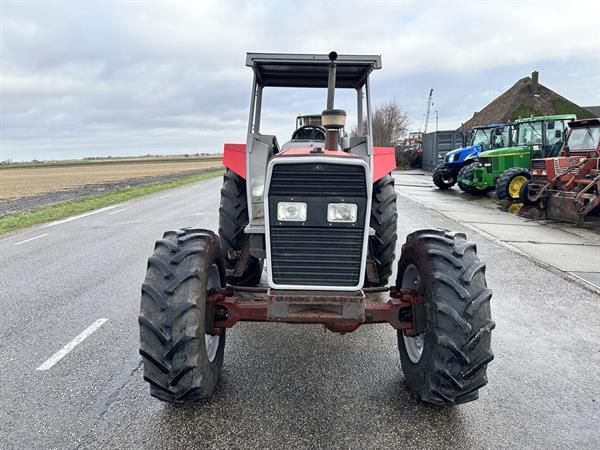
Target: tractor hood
[[504, 151], [462, 153]]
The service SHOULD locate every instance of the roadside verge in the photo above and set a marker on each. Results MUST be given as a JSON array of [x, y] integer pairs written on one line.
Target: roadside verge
[[17, 221]]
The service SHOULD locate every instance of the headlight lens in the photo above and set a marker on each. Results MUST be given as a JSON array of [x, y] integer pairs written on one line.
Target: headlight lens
[[291, 211], [342, 212]]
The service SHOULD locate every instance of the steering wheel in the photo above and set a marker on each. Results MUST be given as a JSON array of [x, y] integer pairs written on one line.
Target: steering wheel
[[310, 133]]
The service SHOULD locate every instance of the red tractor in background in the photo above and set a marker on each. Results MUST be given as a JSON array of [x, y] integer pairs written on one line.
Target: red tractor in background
[[320, 213], [568, 185]]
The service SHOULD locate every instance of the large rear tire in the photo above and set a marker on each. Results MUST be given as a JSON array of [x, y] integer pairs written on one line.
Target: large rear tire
[[511, 181], [444, 177], [233, 218], [181, 362], [384, 220], [466, 173], [446, 364]]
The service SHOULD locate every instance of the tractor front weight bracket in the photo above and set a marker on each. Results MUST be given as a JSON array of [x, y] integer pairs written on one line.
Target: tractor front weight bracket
[[340, 312]]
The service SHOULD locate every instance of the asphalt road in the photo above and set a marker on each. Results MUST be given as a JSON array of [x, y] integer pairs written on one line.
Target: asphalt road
[[282, 385]]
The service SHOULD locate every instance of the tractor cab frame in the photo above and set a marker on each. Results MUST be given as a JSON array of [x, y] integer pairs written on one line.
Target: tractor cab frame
[[301, 71]]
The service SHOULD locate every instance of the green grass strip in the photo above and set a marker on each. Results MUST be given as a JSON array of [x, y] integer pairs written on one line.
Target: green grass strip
[[16, 221]]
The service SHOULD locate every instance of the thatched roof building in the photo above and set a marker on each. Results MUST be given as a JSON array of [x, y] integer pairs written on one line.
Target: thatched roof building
[[595, 110], [525, 98]]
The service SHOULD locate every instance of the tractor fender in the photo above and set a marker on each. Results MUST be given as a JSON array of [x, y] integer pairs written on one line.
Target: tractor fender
[[234, 158], [384, 161]]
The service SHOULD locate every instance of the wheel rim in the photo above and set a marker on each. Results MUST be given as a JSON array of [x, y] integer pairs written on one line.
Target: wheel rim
[[447, 179], [411, 279], [212, 342], [532, 197], [514, 188]]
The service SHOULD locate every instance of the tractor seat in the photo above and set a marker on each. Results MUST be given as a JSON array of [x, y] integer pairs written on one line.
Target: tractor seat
[[555, 149], [309, 133]]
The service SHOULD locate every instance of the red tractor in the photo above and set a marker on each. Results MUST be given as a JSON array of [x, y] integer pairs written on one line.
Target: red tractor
[[320, 213], [568, 185]]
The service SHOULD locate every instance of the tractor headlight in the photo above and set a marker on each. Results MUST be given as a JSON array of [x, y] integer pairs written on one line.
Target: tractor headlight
[[342, 212], [291, 211]]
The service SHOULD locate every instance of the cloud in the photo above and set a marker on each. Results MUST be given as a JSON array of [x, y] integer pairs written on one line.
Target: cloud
[[91, 78]]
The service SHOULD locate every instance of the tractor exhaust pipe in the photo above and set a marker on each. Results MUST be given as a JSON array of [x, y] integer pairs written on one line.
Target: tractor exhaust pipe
[[331, 80], [332, 119]]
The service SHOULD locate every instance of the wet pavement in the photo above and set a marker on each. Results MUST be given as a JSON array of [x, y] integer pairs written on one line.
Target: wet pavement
[[283, 386], [573, 250]]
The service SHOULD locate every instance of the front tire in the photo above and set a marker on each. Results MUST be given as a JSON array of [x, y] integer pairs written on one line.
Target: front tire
[[511, 181], [446, 364], [444, 177], [182, 363], [466, 173], [384, 220], [526, 196]]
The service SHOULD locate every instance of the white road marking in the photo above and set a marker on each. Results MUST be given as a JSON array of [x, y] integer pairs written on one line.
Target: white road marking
[[81, 216], [198, 186], [31, 239], [71, 345], [117, 212], [165, 196], [198, 214]]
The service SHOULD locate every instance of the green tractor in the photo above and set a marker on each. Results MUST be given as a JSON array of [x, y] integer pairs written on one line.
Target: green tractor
[[507, 169]]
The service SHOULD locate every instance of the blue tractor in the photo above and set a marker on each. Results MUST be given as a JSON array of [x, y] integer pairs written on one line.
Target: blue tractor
[[487, 137]]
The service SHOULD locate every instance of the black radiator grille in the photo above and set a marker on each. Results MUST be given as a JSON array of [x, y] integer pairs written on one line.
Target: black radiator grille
[[307, 180], [538, 164], [316, 256]]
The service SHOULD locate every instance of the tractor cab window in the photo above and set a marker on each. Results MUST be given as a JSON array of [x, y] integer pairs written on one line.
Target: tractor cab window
[[584, 138], [481, 137], [514, 134], [530, 134], [502, 137], [554, 138]]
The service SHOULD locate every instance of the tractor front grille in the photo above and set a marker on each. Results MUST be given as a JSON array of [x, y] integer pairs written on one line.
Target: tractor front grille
[[316, 256], [485, 162], [538, 164], [315, 252]]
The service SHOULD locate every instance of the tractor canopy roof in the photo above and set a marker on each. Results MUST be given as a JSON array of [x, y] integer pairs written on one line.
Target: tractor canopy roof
[[585, 123], [491, 125], [310, 70], [547, 118]]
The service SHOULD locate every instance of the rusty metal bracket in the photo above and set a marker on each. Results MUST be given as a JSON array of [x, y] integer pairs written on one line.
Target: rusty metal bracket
[[338, 311]]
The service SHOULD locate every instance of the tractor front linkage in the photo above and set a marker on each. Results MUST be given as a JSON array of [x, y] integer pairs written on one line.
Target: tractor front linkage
[[340, 312]]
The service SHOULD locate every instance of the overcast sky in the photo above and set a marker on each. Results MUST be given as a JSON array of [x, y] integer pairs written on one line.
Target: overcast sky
[[121, 78]]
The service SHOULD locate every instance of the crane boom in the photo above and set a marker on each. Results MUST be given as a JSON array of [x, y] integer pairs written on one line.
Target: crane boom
[[429, 103]]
